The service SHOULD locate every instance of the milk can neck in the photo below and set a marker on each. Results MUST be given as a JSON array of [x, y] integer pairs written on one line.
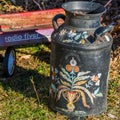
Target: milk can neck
[[83, 14], [85, 21]]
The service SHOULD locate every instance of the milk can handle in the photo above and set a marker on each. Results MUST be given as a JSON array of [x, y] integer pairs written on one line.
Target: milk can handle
[[102, 30], [54, 20]]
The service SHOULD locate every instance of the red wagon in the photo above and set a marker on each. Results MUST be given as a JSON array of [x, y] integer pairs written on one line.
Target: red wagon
[[20, 29]]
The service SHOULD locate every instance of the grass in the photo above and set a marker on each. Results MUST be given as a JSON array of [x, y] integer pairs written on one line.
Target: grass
[[24, 96]]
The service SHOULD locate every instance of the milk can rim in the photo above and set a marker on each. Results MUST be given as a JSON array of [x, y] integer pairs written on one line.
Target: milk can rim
[[64, 5]]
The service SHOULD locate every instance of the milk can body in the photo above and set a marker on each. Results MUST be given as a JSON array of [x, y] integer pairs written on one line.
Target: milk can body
[[80, 57]]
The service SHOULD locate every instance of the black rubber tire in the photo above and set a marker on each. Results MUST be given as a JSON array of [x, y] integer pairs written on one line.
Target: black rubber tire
[[1, 58], [9, 62]]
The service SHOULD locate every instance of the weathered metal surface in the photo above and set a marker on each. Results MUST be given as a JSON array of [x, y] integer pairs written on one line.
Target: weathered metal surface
[[80, 60]]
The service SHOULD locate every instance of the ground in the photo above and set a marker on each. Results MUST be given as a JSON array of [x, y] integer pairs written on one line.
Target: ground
[[24, 96]]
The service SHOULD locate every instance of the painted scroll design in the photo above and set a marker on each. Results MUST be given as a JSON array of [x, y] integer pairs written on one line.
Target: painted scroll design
[[73, 84]]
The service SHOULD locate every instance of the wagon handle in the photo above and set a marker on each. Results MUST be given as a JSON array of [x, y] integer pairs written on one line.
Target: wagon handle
[[54, 20]]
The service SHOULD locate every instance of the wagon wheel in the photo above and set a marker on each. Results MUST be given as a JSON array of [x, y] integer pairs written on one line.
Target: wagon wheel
[[9, 62]]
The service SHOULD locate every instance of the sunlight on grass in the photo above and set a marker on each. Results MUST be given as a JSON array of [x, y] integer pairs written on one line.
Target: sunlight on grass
[[16, 106], [44, 69]]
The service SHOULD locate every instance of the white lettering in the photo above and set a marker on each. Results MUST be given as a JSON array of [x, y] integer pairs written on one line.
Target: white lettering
[[23, 37], [31, 36]]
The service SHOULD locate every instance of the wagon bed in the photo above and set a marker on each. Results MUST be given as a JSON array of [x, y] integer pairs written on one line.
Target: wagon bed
[[26, 28], [28, 20], [20, 29]]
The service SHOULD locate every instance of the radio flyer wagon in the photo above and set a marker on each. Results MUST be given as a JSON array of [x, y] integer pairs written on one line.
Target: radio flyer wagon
[[20, 29]]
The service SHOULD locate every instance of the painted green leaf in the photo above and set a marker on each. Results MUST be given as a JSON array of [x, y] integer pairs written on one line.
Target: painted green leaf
[[77, 37], [99, 95]]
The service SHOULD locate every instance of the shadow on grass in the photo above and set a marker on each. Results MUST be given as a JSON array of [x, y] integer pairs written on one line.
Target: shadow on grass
[[30, 83], [22, 83]]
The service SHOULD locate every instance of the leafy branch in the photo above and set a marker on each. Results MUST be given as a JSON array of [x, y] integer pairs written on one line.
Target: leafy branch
[[7, 6]]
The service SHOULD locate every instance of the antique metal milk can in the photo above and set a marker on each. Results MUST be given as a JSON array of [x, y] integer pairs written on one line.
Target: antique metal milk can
[[80, 60]]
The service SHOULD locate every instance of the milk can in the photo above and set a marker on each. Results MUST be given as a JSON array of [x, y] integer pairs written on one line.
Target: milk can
[[80, 58]]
